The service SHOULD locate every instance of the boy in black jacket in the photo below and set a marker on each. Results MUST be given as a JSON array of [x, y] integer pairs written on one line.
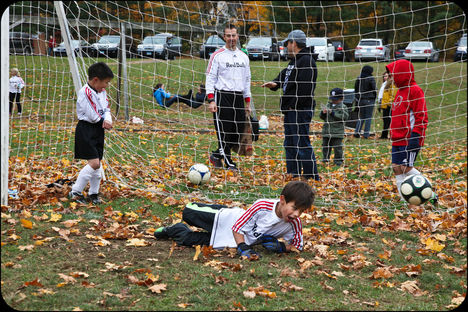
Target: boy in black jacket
[[297, 104]]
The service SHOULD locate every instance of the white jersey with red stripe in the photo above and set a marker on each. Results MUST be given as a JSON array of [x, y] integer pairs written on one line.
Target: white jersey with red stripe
[[261, 219], [92, 106], [228, 70]]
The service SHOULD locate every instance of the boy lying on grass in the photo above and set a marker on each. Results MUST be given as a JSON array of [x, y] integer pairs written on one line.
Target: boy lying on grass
[[262, 224]]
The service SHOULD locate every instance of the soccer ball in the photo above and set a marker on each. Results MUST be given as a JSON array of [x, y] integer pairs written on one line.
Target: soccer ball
[[199, 174], [416, 189]]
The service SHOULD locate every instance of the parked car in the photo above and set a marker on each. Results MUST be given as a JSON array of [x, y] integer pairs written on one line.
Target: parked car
[[422, 50], [77, 45], [399, 52], [372, 49], [263, 48], [283, 50], [460, 53], [21, 43], [341, 51], [211, 44], [323, 47], [164, 45], [109, 45]]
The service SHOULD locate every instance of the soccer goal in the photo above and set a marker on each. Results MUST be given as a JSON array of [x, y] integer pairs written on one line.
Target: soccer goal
[[151, 148]]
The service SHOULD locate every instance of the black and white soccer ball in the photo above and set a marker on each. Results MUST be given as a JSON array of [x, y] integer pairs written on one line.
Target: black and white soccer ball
[[416, 189], [199, 174]]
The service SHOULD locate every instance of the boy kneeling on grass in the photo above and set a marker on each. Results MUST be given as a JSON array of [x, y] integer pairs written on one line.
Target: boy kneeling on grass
[[262, 224]]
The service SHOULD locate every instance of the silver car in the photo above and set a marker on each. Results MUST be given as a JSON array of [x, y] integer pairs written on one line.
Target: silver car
[[372, 49], [165, 46], [421, 50]]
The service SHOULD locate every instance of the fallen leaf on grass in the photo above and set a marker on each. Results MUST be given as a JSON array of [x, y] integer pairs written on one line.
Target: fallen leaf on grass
[[79, 274], [260, 291], [158, 288], [43, 291], [33, 283], [67, 279], [287, 286], [434, 245], [249, 294], [172, 249], [197, 252], [54, 217], [412, 288], [381, 273], [137, 242], [70, 223], [27, 247], [26, 223]]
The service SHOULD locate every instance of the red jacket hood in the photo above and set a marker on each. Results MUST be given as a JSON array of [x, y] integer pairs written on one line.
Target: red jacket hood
[[402, 72]]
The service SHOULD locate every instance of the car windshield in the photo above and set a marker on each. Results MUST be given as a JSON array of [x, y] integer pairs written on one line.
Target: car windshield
[[419, 44], [371, 43], [109, 39], [154, 40], [215, 40], [259, 41], [463, 42], [316, 42]]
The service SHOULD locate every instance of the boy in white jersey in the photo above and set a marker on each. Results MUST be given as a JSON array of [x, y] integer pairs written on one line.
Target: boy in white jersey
[[262, 224], [92, 109]]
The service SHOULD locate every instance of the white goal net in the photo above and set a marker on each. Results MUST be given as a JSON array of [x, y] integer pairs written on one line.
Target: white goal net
[[150, 149]]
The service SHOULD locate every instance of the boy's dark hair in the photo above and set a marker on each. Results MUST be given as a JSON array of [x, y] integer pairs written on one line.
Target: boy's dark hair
[[158, 85], [100, 70], [300, 193], [202, 88]]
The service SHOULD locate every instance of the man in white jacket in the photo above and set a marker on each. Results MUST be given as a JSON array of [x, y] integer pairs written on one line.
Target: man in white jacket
[[262, 224], [92, 110], [228, 87]]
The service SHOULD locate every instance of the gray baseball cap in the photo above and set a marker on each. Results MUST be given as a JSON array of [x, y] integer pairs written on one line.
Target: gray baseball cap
[[296, 35]]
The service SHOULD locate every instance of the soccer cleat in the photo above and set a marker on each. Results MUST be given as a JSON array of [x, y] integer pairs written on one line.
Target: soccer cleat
[[161, 233], [216, 162], [232, 167], [95, 199], [434, 200], [77, 197]]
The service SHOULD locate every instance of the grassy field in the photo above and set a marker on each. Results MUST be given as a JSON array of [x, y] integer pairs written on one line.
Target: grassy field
[[364, 250]]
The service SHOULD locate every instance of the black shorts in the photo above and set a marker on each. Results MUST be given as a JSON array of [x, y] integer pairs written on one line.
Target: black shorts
[[401, 156], [89, 140]]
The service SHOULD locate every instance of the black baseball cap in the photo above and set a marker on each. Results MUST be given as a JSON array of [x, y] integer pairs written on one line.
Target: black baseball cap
[[336, 94]]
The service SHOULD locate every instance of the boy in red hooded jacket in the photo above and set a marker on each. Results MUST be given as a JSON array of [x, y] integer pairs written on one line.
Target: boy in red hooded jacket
[[409, 121]]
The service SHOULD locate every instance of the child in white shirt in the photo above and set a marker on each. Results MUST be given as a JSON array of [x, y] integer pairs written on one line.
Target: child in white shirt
[[16, 84]]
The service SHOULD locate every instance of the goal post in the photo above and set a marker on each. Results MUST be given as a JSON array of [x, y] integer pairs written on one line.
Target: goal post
[[5, 61]]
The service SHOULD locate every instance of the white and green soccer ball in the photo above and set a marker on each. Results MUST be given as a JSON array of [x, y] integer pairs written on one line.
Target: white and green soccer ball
[[416, 189], [199, 174]]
